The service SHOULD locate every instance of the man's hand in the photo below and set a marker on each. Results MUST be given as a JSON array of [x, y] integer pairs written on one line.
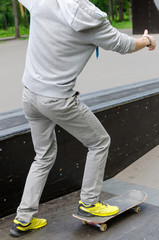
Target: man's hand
[[151, 39], [145, 41]]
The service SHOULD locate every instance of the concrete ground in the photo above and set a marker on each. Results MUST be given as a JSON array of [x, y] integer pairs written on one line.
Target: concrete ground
[[110, 70], [142, 175]]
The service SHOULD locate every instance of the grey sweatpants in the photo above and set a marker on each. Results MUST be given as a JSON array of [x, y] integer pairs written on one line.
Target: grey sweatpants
[[43, 113]]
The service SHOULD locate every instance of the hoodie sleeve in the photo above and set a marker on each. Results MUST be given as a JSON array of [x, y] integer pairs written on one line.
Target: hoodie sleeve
[[26, 3], [109, 38], [82, 15]]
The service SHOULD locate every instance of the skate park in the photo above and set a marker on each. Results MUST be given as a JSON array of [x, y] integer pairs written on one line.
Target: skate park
[[128, 109]]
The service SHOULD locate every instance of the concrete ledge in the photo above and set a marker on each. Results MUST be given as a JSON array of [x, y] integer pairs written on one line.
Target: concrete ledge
[[14, 122]]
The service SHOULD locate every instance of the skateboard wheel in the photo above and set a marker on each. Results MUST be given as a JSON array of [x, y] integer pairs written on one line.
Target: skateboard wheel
[[103, 227], [137, 209], [84, 222]]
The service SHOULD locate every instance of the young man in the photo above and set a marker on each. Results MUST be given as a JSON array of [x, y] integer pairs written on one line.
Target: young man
[[63, 36]]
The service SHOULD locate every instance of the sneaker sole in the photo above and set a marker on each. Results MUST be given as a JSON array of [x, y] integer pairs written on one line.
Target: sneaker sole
[[16, 234], [19, 233], [87, 214]]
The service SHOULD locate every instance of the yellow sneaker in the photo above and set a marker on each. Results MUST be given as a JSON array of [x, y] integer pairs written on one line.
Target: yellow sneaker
[[99, 209], [19, 227]]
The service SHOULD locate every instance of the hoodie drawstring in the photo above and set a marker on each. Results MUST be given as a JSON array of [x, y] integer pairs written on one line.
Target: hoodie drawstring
[[97, 52]]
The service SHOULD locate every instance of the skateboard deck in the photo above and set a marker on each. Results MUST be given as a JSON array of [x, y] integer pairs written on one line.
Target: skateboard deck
[[129, 200]]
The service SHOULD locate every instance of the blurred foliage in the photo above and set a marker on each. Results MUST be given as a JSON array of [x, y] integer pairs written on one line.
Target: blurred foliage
[[117, 10]]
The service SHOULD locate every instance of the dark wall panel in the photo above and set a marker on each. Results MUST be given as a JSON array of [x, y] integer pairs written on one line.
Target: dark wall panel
[[134, 130], [16, 157], [145, 16]]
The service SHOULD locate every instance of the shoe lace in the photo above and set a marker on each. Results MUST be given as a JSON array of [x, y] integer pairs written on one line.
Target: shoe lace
[[103, 203]]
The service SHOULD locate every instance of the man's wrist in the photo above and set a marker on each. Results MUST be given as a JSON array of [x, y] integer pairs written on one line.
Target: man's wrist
[[148, 42]]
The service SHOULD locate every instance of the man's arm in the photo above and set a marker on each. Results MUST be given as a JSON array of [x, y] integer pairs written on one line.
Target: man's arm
[[145, 41], [109, 38]]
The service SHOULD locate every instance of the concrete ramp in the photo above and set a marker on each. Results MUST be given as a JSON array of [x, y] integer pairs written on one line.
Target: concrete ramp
[[141, 175], [61, 224], [127, 226]]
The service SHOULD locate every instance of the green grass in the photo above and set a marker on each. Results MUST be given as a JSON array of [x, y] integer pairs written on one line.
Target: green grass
[[122, 25], [11, 32], [7, 33]]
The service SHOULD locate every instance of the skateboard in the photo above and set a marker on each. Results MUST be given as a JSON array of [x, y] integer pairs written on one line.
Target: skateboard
[[129, 200]]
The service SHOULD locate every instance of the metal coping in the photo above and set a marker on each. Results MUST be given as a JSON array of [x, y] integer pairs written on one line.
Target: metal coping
[[14, 123]]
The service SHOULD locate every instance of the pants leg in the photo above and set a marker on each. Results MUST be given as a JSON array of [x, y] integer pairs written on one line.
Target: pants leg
[[44, 141], [76, 118]]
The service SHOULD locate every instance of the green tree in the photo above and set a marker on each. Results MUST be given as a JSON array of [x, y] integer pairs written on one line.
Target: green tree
[[13, 14], [102, 4], [121, 10], [116, 9], [16, 20], [6, 14]]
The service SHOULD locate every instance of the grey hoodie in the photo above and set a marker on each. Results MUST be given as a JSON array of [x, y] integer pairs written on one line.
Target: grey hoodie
[[63, 36]]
